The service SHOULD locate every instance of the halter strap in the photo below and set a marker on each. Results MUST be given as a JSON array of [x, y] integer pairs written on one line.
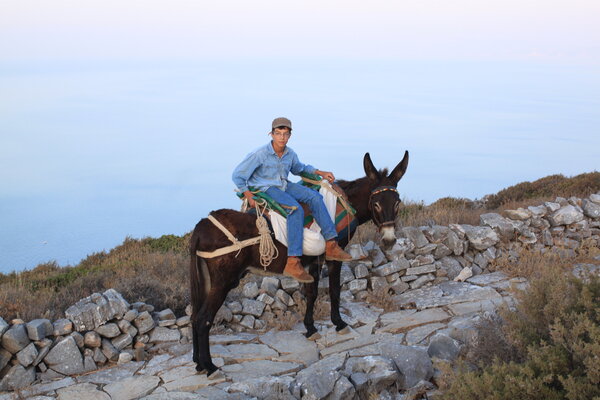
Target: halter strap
[[375, 191]]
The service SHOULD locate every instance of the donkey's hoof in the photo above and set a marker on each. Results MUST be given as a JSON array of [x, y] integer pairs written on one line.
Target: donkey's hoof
[[341, 327], [210, 369], [344, 331], [314, 336], [218, 374]]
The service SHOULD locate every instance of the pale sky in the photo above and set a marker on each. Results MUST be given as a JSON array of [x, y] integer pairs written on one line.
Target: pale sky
[[426, 29]]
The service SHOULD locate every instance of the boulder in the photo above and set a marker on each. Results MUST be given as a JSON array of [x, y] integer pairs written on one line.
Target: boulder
[[415, 235], [451, 266], [381, 373], [254, 307], [591, 209], [39, 329], [500, 224], [250, 290], [565, 215], [133, 387], [318, 380], [269, 285], [65, 357], [109, 330], [144, 322], [5, 357], [15, 338], [17, 377], [162, 334], [413, 363], [95, 310], [268, 387], [62, 327], [444, 347], [481, 237], [519, 214], [454, 243], [28, 355]]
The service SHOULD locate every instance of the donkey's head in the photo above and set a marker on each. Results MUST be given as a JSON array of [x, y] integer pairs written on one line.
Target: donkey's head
[[384, 200]]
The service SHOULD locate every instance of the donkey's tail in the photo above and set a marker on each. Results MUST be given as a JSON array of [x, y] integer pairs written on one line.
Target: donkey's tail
[[199, 276]]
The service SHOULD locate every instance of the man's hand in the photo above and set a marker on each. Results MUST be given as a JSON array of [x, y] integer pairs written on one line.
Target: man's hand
[[248, 195], [326, 175]]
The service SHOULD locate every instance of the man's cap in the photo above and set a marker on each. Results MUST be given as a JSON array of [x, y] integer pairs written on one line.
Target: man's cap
[[281, 121]]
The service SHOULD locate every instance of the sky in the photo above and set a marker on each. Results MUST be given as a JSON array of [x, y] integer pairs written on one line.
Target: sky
[[150, 29], [126, 118]]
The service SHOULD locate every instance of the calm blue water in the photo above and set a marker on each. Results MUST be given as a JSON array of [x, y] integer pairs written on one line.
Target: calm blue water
[[92, 153]]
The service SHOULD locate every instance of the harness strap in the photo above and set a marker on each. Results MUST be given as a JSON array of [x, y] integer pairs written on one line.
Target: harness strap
[[268, 250], [327, 185]]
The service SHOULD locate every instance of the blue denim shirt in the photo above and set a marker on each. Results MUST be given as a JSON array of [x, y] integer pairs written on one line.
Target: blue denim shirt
[[263, 169]]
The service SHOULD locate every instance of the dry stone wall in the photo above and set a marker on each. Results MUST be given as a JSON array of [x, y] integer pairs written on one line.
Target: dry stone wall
[[104, 328]]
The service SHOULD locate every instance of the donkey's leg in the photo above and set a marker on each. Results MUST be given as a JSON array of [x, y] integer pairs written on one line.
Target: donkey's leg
[[213, 302], [311, 291], [334, 294]]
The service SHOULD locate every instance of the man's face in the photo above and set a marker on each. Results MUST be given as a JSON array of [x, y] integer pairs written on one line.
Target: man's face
[[281, 135]]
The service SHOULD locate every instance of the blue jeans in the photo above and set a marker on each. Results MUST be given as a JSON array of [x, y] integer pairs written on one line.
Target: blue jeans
[[293, 194]]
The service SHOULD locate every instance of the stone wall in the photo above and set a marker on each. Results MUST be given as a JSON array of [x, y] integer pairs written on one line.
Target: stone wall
[[105, 328]]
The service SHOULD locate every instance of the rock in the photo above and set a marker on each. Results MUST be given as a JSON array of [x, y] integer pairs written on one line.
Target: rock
[[392, 267], [250, 290], [140, 307], [126, 327], [451, 266], [284, 297], [378, 283], [346, 274], [401, 321], [124, 358], [380, 371], [254, 307], [62, 327], [399, 287], [377, 256], [132, 388], [412, 362], [421, 280], [15, 338], [268, 387], [591, 209], [361, 271], [343, 390], [5, 357], [17, 377], [28, 355], [95, 310], [290, 285], [131, 315], [43, 349], [78, 339], [257, 369], [3, 326], [99, 356], [425, 269], [565, 216], [465, 274], [82, 391], [166, 317], [124, 340], [497, 222], [39, 329], [441, 251], [481, 237], [420, 333], [109, 350], [162, 334], [415, 235], [454, 243], [41, 388], [343, 347], [265, 298], [269, 285], [144, 322], [444, 347], [65, 357], [248, 321], [109, 330], [519, 214], [89, 364], [318, 379], [357, 285]]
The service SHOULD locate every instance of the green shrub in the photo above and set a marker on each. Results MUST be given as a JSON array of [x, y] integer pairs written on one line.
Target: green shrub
[[556, 326]]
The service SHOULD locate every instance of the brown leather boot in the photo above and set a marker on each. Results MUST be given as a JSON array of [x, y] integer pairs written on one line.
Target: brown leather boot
[[334, 252], [294, 269]]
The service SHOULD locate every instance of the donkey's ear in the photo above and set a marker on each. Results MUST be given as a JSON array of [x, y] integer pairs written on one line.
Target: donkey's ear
[[370, 170], [400, 169]]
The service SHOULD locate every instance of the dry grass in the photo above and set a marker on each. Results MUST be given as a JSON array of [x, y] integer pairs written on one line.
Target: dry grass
[[382, 298]]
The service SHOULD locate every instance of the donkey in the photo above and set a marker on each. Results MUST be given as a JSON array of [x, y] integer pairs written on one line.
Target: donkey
[[374, 197]]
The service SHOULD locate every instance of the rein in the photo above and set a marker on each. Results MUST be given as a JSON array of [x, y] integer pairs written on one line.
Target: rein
[[375, 191]]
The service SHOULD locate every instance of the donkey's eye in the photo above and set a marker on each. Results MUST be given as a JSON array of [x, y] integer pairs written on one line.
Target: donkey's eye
[[377, 206]]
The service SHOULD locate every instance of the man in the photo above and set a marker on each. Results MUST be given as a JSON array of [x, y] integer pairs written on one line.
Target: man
[[267, 169]]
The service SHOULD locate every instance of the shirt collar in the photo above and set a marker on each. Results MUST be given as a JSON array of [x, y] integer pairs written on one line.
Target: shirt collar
[[272, 150]]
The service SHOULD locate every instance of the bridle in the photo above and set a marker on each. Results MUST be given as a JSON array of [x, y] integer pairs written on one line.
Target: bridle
[[375, 191]]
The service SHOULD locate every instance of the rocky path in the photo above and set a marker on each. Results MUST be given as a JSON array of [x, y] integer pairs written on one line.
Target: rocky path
[[389, 354]]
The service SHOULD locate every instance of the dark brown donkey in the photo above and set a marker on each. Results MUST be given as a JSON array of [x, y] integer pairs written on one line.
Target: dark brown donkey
[[374, 197]]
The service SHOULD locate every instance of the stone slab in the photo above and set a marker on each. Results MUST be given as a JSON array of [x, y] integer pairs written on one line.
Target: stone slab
[[416, 319]]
